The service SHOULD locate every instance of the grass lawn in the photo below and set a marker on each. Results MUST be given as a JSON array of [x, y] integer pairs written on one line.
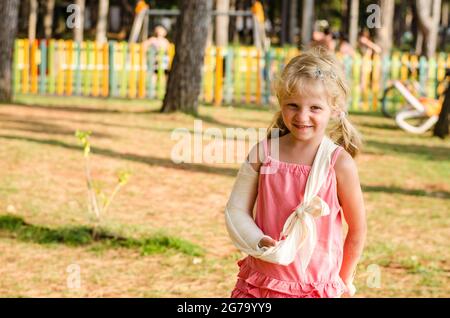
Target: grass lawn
[[169, 238]]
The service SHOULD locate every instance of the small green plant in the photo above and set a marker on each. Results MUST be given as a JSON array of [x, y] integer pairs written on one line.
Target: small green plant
[[98, 201]]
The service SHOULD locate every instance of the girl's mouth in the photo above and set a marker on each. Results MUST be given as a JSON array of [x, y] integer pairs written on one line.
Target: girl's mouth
[[302, 127]]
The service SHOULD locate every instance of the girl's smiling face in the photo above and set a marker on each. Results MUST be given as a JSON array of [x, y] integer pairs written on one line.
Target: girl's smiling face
[[306, 115]]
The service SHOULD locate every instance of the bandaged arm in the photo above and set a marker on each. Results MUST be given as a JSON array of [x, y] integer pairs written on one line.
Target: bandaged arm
[[244, 232]]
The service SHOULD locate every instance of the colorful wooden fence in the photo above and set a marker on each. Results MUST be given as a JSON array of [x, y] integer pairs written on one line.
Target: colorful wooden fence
[[232, 75]]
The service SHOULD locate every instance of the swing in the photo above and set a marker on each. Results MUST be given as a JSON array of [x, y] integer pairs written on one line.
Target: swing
[[417, 108]]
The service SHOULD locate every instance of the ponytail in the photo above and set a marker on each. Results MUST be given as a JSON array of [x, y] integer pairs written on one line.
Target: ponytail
[[346, 135]]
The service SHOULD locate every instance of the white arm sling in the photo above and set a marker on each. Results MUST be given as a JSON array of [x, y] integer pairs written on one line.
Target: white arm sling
[[299, 229]]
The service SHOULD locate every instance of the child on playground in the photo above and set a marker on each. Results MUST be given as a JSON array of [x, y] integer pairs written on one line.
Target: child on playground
[[158, 41], [302, 175], [160, 44]]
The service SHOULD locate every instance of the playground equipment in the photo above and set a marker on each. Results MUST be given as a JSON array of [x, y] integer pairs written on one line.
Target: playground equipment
[[143, 12], [259, 32], [140, 23], [425, 110], [392, 100]]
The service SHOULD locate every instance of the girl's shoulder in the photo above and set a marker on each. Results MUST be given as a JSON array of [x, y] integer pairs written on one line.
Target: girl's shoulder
[[345, 165]]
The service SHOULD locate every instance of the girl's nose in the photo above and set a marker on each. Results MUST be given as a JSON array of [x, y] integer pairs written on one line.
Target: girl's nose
[[301, 116]]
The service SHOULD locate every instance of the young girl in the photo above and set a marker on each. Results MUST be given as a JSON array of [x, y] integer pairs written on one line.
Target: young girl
[[298, 250]]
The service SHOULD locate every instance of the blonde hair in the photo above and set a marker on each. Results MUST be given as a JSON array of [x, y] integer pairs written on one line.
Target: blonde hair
[[314, 65]]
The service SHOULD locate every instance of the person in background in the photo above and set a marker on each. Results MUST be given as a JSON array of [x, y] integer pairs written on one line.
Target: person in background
[[158, 40], [324, 39], [344, 47], [160, 44], [366, 45]]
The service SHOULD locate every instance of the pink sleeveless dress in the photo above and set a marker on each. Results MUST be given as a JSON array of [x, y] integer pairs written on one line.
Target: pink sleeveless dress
[[279, 194]]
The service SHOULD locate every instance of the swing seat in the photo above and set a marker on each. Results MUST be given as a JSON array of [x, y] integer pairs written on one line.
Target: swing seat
[[417, 108]]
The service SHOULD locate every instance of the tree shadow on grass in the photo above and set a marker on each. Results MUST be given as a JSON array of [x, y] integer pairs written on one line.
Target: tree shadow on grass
[[95, 110], [437, 153], [83, 236], [380, 126], [162, 162], [18, 123], [211, 120], [413, 192], [81, 109], [43, 127], [366, 113], [207, 119], [243, 106]]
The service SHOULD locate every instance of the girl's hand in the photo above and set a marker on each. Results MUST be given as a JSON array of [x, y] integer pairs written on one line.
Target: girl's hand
[[351, 290], [267, 241]]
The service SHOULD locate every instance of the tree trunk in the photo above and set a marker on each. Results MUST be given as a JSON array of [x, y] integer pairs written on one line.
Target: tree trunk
[[271, 14], [444, 23], [222, 23], [32, 20], [79, 28], [433, 36], [409, 19], [9, 10], [353, 27], [441, 128], [307, 21], [210, 34], [127, 14], [48, 18], [293, 17], [400, 12], [398, 20], [415, 27], [102, 21], [183, 87], [284, 21], [429, 13], [384, 34], [23, 19], [345, 15], [233, 34], [419, 43]]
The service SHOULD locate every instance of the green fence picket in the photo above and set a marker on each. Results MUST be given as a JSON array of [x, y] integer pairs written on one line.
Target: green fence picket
[[228, 84], [43, 67], [268, 57], [87, 75], [237, 75], [161, 86], [151, 72], [112, 77], [51, 67], [124, 73], [78, 72]]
